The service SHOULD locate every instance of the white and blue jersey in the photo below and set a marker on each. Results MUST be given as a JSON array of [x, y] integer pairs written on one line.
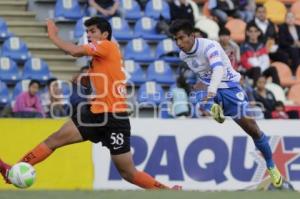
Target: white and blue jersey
[[206, 55]]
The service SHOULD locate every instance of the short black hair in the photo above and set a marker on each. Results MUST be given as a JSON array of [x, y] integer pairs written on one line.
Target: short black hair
[[49, 82], [224, 31], [181, 25], [102, 24], [33, 81]]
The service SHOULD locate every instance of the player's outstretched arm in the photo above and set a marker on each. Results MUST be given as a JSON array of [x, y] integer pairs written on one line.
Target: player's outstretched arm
[[68, 47]]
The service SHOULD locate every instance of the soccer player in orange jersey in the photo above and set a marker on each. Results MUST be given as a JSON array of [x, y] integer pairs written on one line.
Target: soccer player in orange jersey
[[104, 119]]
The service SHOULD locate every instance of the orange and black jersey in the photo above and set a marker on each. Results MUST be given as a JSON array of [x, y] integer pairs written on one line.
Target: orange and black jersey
[[107, 77]]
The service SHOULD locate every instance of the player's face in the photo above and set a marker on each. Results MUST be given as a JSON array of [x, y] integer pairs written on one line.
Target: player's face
[[184, 41], [94, 34], [33, 89]]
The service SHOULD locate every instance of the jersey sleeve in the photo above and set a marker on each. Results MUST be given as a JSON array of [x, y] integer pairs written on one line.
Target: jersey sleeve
[[97, 49], [213, 54]]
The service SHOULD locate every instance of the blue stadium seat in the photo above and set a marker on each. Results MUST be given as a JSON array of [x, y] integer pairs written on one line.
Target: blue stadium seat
[[160, 72], [79, 29], [4, 33], [67, 10], [8, 71], [15, 49], [164, 111], [137, 75], [158, 8], [38, 69], [4, 94], [138, 50], [131, 10], [66, 88], [146, 28], [150, 93], [121, 30], [168, 51]]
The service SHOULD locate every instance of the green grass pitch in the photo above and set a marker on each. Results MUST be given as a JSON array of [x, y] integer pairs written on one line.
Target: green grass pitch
[[146, 195]]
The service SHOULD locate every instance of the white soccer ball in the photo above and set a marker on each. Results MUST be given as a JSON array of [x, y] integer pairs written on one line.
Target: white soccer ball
[[22, 175]]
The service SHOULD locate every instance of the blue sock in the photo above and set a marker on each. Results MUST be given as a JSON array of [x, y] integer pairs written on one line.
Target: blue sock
[[263, 146]]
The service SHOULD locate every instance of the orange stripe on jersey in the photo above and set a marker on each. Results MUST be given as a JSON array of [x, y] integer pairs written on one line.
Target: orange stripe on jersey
[[107, 77]]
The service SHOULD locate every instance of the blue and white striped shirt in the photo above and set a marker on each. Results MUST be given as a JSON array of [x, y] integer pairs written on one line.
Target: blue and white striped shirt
[[204, 57]]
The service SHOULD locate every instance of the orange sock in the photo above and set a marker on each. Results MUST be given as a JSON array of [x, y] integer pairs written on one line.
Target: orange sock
[[38, 154], [146, 181]]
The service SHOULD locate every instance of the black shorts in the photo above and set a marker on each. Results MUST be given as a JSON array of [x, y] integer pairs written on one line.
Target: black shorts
[[112, 129]]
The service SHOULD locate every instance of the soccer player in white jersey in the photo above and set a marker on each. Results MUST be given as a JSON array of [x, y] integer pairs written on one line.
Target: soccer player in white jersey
[[208, 60]]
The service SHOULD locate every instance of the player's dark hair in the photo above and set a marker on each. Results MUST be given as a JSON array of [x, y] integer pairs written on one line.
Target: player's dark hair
[[224, 31], [33, 81], [102, 24], [181, 25], [49, 82]]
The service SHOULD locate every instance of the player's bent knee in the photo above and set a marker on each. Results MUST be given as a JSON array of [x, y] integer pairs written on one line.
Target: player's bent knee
[[251, 128]]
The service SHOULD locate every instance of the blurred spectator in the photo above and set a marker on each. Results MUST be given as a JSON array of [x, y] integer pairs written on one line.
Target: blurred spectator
[[104, 8], [271, 74], [52, 101], [279, 112], [80, 80], [246, 9], [253, 109], [28, 104], [289, 40], [199, 34], [181, 9], [196, 11], [230, 47], [247, 88], [269, 35], [265, 97], [254, 54], [222, 9], [266, 26], [179, 99]]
